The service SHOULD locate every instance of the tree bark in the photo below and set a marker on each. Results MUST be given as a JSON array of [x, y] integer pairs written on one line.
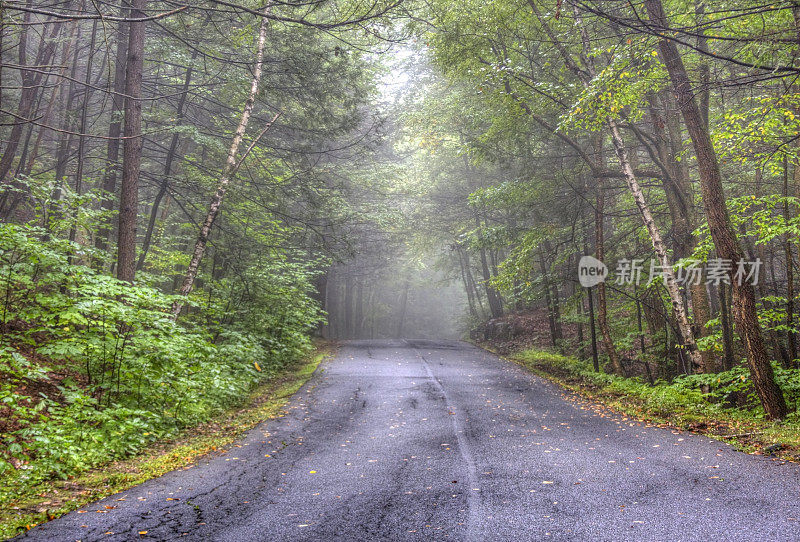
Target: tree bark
[[358, 311], [114, 133], [132, 146], [322, 296], [595, 360], [728, 360], [789, 262], [30, 83], [60, 80], [552, 303], [348, 305], [725, 240], [678, 306], [467, 286], [494, 301], [555, 295], [82, 127], [602, 302], [703, 68], [678, 192], [401, 320], [471, 280], [579, 312]]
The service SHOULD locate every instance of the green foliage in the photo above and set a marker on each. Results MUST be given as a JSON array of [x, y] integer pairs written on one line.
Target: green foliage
[[762, 219], [93, 369], [683, 396], [620, 88], [757, 131], [724, 387]]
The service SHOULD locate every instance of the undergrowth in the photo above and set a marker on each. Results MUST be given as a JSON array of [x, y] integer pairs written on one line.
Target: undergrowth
[[720, 404], [54, 497], [93, 369]]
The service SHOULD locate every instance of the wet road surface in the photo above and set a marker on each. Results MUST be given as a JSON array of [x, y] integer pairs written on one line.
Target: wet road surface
[[438, 440]]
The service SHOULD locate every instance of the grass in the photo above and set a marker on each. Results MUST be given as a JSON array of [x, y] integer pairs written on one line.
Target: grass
[[54, 498], [668, 405]]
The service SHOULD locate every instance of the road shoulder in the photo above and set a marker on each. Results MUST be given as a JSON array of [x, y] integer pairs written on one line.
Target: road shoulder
[[55, 498], [780, 440]]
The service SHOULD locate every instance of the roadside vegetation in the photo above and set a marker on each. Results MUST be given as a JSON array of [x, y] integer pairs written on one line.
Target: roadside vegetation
[[94, 369], [38, 501], [722, 405], [659, 138]]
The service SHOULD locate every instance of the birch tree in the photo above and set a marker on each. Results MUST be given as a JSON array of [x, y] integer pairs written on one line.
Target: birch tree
[[230, 167]]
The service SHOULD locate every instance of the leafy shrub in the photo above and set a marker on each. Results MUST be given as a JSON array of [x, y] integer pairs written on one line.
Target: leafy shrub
[[685, 395], [93, 369]]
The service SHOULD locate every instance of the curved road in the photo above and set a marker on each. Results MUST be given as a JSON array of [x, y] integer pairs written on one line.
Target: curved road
[[423, 440]]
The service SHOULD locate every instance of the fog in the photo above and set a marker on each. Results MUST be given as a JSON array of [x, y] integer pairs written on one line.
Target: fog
[[392, 302]]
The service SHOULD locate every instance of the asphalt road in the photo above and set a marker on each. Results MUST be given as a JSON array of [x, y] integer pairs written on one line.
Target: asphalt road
[[421, 440]]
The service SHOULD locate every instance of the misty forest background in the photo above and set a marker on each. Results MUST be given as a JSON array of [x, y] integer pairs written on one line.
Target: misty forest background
[[191, 192]]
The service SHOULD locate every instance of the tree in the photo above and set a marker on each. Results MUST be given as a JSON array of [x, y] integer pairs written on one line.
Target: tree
[[232, 164], [132, 145], [724, 237]]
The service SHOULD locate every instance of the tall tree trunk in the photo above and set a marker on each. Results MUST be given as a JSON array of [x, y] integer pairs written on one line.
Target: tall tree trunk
[[778, 349], [678, 306], [67, 95], [725, 240], [358, 311], [168, 160], [590, 295], [494, 301], [2, 42], [87, 94], [595, 360], [231, 165], [789, 262], [602, 302], [57, 88], [132, 146], [471, 280], [642, 347], [679, 195], [348, 306], [580, 312], [554, 295], [467, 286], [322, 296], [30, 84], [401, 320], [701, 315], [114, 132], [728, 359], [704, 70], [552, 307], [332, 302]]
